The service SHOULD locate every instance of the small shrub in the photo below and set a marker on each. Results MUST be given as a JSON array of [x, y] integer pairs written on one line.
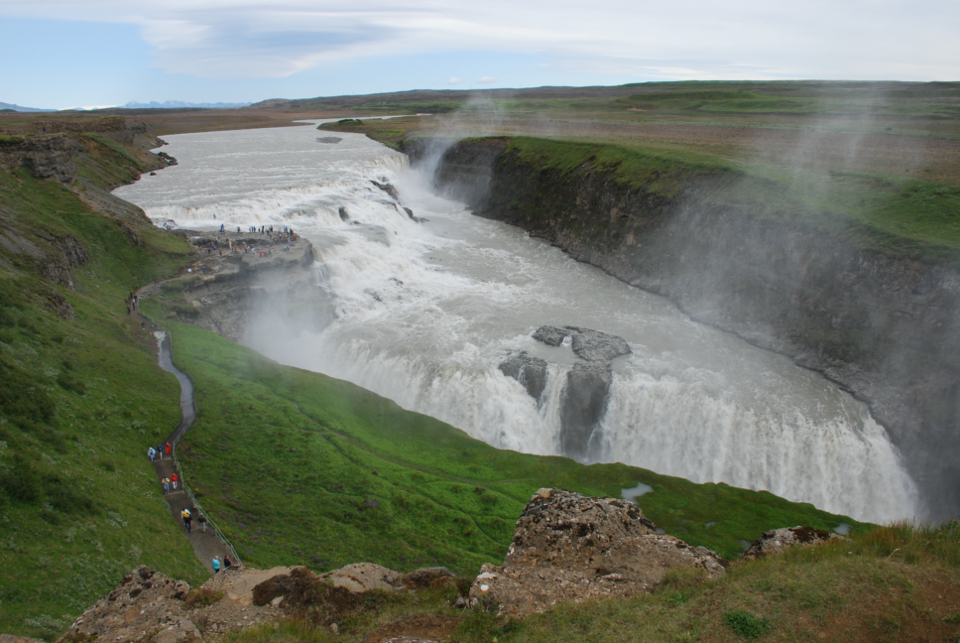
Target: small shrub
[[69, 382], [21, 482], [746, 624]]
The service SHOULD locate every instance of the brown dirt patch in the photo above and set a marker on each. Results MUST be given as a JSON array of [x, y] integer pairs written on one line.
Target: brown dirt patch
[[423, 626]]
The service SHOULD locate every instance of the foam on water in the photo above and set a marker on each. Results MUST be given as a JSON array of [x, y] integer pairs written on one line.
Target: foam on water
[[426, 312]]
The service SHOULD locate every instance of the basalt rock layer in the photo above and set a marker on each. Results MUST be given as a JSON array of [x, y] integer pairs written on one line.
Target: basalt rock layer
[[884, 326], [233, 285]]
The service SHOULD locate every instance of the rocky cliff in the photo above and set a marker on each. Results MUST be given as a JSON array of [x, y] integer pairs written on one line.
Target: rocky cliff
[[884, 326], [240, 276]]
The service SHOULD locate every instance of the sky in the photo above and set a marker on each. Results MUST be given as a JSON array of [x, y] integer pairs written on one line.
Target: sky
[[92, 53]]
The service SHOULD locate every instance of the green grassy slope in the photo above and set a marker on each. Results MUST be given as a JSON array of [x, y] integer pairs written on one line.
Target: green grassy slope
[[80, 401]]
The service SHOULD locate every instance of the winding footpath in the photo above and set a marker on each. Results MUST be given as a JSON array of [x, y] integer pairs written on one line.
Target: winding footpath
[[205, 544]]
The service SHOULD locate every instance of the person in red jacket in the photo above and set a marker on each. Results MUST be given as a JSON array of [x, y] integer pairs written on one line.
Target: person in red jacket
[[166, 448], [174, 478]]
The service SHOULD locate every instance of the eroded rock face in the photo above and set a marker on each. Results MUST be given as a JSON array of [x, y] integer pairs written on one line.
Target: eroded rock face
[[588, 344], [529, 371], [145, 604], [568, 547], [777, 540], [586, 392], [585, 396]]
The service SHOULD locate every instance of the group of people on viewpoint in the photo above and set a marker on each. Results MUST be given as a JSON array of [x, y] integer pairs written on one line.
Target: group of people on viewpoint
[[285, 236]]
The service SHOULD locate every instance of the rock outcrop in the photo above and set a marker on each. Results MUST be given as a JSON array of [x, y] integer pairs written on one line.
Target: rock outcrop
[[586, 390], [528, 370], [272, 278], [150, 607], [777, 540], [571, 548], [884, 326]]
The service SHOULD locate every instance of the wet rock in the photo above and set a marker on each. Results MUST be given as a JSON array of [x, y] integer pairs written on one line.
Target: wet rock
[[412, 216], [568, 547], [586, 391], [584, 402], [529, 371], [588, 344], [343, 214], [551, 335], [329, 140], [777, 540], [389, 189], [595, 346]]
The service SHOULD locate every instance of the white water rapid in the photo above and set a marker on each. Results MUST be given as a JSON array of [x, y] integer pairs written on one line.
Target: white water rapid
[[425, 312]]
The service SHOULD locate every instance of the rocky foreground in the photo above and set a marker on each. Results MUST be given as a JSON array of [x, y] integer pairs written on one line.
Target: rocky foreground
[[566, 548]]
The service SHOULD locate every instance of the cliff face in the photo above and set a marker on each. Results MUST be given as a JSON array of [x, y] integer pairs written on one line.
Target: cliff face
[[884, 327], [230, 290]]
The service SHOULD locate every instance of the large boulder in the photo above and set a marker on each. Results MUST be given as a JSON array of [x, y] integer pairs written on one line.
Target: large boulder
[[528, 370], [777, 540], [588, 344], [363, 577], [583, 404], [587, 388], [568, 547], [145, 601]]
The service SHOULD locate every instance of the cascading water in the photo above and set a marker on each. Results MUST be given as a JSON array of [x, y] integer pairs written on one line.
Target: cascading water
[[427, 311]]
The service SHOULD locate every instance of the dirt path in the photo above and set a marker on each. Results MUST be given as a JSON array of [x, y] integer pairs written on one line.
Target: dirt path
[[205, 544]]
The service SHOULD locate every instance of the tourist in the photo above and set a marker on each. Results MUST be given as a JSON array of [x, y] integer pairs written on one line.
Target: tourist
[[160, 451], [202, 519], [166, 447], [187, 519], [152, 453], [174, 479], [226, 563], [166, 485], [216, 564]]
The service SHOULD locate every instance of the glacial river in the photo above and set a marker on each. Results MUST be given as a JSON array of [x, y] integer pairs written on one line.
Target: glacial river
[[426, 311]]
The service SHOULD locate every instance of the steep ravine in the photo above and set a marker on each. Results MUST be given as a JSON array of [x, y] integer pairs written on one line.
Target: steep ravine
[[884, 327]]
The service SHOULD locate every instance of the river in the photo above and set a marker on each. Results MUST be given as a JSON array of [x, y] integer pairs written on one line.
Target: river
[[426, 311]]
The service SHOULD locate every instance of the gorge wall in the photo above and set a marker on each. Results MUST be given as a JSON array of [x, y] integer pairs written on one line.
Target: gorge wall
[[884, 327]]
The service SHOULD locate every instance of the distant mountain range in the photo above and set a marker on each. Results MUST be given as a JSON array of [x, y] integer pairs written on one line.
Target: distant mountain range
[[172, 104], [18, 108]]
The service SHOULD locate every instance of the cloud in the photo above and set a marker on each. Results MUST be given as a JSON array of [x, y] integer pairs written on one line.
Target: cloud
[[454, 81], [486, 80], [624, 38]]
